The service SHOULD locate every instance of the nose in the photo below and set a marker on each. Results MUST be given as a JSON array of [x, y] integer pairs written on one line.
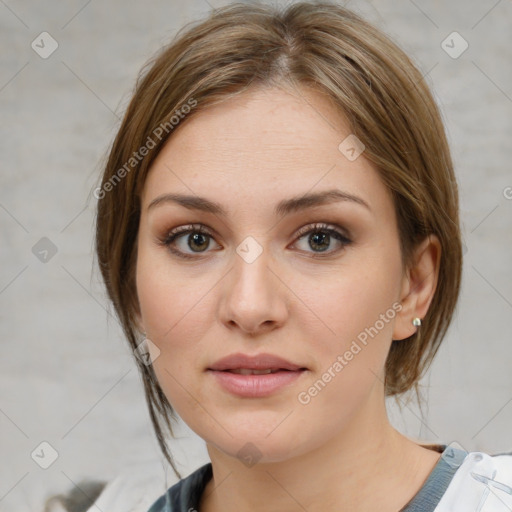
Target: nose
[[254, 297]]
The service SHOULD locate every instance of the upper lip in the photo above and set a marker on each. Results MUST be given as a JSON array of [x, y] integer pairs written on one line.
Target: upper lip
[[256, 362]]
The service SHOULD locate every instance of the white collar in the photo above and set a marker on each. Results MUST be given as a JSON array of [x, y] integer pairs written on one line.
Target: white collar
[[483, 483]]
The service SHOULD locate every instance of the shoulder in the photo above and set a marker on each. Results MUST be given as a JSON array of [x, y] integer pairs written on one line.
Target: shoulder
[[481, 482]]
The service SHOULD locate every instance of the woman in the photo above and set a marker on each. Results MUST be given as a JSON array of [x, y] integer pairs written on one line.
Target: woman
[[278, 231]]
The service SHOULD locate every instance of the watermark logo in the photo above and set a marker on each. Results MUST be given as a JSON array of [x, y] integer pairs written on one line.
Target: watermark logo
[[44, 455], [249, 249], [454, 45], [450, 455], [249, 454], [44, 45], [147, 352], [351, 147], [44, 250]]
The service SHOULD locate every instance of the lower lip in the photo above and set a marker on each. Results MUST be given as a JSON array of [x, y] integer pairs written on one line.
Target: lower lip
[[255, 386]]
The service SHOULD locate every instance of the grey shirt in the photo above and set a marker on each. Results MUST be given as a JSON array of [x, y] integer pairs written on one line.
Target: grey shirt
[[185, 495]]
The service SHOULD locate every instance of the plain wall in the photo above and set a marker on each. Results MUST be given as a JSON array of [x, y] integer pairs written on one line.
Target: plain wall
[[67, 376]]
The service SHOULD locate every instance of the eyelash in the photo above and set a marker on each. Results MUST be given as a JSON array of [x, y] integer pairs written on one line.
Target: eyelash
[[329, 229]]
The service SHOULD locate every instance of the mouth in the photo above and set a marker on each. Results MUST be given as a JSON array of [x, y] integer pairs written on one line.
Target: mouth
[[249, 371], [243, 363], [255, 376]]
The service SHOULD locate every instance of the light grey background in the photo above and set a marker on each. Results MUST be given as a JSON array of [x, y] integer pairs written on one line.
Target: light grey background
[[67, 376]]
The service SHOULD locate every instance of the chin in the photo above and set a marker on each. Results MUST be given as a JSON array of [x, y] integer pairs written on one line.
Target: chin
[[250, 451], [252, 444]]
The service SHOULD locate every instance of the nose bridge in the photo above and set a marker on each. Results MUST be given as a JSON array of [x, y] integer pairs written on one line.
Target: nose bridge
[[252, 277], [252, 297]]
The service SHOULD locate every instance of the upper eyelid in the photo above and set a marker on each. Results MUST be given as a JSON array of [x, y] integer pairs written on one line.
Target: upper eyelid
[[318, 226], [201, 228]]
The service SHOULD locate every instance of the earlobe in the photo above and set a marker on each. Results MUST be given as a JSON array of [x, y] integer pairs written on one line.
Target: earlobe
[[418, 287]]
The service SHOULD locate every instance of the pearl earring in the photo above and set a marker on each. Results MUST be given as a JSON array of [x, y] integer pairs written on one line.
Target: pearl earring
[[416, 322]]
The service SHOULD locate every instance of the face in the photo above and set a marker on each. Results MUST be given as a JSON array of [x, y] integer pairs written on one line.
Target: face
[[253, 278]]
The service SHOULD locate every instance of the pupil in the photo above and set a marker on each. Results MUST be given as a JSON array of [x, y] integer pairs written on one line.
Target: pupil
[[318, 238], [197, 238]]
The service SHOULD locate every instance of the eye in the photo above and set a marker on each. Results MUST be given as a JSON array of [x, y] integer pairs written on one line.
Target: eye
[[195, 237], [319, 237]]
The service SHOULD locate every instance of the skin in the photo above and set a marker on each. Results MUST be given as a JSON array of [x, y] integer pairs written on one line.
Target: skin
[[338, 452]]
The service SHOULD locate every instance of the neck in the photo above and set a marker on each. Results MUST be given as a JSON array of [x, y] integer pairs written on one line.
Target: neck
[[367, 464]]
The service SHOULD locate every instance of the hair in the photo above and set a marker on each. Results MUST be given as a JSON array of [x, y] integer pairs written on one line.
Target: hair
[[372, 82]]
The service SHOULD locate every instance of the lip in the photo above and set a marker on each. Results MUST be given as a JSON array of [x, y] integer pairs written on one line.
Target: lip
[[255, 386], [256, 362]]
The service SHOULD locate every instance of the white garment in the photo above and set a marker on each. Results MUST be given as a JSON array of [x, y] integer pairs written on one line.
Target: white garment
[[483, 483]]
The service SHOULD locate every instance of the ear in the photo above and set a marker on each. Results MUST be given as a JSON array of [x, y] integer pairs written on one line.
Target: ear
[[418, 286]]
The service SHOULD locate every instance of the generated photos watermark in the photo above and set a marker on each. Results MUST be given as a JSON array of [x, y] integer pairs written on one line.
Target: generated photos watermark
[[305, 397], [161, 131]]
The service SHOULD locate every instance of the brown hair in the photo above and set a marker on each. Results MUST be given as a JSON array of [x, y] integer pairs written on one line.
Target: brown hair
[[372, 82]]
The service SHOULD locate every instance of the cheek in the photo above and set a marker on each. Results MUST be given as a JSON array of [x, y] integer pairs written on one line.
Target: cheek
[[350, 363], [351, 334], [173, 309], [167, 298], [361, 298], [175, 312]]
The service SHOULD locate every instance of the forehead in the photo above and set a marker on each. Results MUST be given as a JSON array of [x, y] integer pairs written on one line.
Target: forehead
[[265, 143]]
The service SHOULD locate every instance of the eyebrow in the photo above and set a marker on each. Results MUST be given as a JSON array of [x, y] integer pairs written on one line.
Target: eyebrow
[[284, 207]]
